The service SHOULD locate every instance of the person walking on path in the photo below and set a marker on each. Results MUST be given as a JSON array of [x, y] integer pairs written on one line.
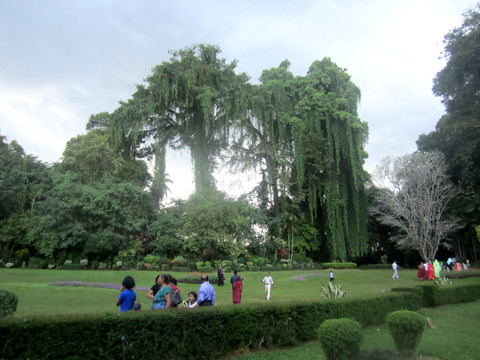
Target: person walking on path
[[395, 270], [206, 293], [268, 281]]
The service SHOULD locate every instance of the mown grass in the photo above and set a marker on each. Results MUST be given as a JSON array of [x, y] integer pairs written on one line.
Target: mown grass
[[37, 297], [455, 336]]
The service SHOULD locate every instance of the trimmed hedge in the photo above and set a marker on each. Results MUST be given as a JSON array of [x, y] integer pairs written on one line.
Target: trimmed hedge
[[201, 333], [434, 295], [185, 333], [345, 265]]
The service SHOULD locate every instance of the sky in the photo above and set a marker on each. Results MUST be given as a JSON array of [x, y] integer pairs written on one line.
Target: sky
[[62, 61]]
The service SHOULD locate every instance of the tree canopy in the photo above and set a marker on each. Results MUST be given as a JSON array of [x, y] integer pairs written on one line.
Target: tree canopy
[[415, 192], [302, 134], [457, 133]]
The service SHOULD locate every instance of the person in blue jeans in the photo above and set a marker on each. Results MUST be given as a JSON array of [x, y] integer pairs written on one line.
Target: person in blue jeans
[[127, 297]]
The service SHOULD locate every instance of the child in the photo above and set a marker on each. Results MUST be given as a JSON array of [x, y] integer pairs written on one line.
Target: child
[[127, 297], [192, 299], [332, 279]]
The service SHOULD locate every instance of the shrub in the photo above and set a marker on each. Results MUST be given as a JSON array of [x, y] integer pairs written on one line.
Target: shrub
[[375, 266], [340, 338], [36, 263], [9, 265], [8, 303], [204, 267], [345, 265], [179, 261], [152, 260], [442, 281], [70, 266], [406, 328], [332, 291]]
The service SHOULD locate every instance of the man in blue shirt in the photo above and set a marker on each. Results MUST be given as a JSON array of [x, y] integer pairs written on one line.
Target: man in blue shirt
[[234, 277], [206, 293]]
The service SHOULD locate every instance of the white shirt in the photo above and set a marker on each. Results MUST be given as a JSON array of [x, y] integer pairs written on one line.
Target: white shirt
[[268, 280]]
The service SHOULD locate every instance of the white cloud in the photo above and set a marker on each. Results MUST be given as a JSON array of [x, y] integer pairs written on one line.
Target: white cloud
[[42, 119]]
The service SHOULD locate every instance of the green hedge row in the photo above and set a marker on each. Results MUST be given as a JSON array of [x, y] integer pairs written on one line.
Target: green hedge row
[[206, 332], [186, 333], [345, 265]]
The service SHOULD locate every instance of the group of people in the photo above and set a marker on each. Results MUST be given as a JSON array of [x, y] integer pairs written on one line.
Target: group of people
[[166, 294], [429, 270]]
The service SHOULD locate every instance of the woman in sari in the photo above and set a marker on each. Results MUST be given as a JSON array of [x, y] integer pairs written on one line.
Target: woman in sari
[[162, 299], [237, 290], [431, 271], [421, 272]]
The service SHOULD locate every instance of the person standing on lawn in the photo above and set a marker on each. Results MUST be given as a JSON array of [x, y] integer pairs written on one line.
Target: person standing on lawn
[[234, 277], [237, 290], [268, 281], [206, 293], [127, 297], [163, 298], [395, 270], [221, 276]]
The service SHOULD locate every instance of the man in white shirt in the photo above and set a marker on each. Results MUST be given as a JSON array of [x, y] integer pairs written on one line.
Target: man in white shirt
[[268, 281], [395, 270]]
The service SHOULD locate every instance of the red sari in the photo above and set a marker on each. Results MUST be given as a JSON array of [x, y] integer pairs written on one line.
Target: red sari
[[431, 271], [237, 290], [421, 272]]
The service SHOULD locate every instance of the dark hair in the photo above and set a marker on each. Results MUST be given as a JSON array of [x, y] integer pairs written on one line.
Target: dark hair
[[235, 271], [171, 279], [128, 282], [195, 295], [156, 278], [165, 278], [204, 277]]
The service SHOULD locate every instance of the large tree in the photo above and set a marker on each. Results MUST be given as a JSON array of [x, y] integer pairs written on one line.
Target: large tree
[[305, 137], [457, 133], [189, 102], [414, 191]]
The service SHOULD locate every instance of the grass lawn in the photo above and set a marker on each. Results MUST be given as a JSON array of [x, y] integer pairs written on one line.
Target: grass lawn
[[454, 337], [37, 297]]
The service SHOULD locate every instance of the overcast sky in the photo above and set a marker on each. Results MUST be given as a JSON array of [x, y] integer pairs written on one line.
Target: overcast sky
[[61, 61]]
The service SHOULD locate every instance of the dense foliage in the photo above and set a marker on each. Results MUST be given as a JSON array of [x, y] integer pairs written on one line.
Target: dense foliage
[[340, 338], [406, 328], [8, 303], [457, 133]]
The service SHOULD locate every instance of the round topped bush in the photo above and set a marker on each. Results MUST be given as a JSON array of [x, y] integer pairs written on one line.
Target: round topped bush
[[406, 328], [8, 303], [340, 338]]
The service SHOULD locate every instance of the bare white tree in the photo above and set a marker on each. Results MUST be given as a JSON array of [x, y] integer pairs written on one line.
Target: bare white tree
[[413, 194]]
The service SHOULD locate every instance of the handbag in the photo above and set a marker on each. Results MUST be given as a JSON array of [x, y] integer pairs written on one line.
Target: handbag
[[176, 298]]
